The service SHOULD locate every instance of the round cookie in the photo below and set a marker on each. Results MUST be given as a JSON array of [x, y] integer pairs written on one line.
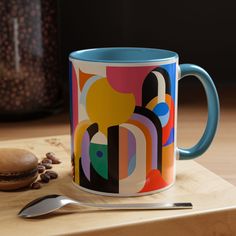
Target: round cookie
[[18, 168]]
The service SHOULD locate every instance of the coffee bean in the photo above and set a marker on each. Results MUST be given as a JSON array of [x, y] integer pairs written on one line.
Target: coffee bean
[[41, 168], [46, 160], [47, 165], [56, 161], [52, 174], [45, 178], [52, 156], [36, 185]]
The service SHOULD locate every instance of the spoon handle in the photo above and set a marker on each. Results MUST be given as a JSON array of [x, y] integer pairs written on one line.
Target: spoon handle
[[140, 206]]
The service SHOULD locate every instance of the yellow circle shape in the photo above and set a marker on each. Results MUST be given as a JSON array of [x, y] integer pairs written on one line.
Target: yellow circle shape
[[106, 106]]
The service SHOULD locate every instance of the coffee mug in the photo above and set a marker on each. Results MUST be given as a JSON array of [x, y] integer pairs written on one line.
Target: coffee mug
[[123, 119]]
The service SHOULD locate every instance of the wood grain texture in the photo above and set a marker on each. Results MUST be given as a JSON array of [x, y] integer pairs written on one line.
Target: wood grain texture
[[214, 201]]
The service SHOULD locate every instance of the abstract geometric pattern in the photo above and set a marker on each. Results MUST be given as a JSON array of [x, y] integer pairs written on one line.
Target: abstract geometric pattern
[[123, 128]]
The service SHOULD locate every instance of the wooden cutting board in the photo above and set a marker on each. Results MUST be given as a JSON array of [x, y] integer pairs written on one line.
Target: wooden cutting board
[[214, 201]]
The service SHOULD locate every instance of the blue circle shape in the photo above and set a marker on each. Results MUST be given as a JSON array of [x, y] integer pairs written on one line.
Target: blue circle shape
[[99, 153], [161, 109]]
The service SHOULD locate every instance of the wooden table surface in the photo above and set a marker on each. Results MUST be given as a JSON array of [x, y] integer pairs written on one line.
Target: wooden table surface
[[213, 199], [220, 157]]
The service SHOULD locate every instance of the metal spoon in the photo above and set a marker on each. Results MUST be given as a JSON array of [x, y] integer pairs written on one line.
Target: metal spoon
[[50, 203]]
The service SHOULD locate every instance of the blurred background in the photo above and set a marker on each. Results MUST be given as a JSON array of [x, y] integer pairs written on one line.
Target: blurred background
[[201, 32], [37, 36]]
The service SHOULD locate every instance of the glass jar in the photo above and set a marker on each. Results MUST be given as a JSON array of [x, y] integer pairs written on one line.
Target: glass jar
[[29, 58]]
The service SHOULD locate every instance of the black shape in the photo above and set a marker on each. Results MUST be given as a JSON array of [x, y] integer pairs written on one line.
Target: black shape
[[149, 89], [155, 120], [98, 183], [84, 182], [150, 85], [92, 130], [113, 158]]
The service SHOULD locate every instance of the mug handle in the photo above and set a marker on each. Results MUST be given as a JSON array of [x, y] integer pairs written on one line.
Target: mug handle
[[213, 111]]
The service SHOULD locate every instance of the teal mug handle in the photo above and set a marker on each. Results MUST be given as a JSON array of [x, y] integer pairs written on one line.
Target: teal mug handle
[[213, 111]]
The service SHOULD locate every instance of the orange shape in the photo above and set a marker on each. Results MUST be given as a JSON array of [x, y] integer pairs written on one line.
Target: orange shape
[[168, 162], [83, 77]]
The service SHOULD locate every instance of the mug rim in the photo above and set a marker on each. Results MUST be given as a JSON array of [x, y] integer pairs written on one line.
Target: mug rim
[[123, 55]]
